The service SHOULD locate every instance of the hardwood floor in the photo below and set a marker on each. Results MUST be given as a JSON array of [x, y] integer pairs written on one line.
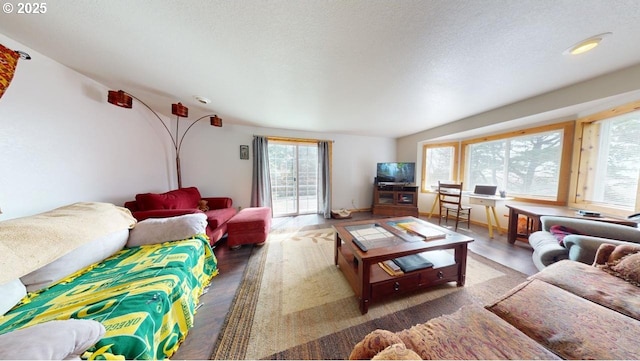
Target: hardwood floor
[[217, 301]]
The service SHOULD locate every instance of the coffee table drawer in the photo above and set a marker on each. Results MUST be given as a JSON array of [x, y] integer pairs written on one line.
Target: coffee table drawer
[[436, 275], [396, 285]]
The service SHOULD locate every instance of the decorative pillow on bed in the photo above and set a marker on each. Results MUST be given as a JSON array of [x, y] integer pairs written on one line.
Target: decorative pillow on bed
[[562, 231], [54, 340], [12, 292], [159, 230]]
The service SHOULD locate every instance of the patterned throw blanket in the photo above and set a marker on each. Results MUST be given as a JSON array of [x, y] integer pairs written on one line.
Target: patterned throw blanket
[[144, 296]]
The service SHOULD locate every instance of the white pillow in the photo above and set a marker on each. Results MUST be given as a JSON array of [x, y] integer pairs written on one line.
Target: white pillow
[[159, 230], [12, 292], [53, 340], [88, 254]]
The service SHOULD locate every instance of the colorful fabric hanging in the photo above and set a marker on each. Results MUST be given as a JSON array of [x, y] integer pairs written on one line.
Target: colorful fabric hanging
[[8, 62]]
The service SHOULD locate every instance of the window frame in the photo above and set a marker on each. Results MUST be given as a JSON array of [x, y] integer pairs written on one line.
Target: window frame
[[583, 152], [455, 167], [565, 158]]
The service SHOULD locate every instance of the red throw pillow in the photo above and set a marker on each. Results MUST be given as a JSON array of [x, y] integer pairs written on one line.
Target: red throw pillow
[[560, 232], [183, 198]]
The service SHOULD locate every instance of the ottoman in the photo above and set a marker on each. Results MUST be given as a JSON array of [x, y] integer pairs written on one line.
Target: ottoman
[[249, 226]]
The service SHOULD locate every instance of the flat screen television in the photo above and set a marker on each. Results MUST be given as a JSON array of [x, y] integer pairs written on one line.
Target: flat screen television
[[396, 173]]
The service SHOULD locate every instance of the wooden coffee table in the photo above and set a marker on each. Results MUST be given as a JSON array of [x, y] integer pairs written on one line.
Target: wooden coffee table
[[371, 283]]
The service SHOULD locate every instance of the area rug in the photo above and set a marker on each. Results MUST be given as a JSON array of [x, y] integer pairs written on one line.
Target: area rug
[[294, 303]]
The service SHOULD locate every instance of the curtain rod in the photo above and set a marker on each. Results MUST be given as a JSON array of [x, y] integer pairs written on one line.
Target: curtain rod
[[309, 140]]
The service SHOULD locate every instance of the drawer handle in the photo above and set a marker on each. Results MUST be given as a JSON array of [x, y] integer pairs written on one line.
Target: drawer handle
[[440, 274], [396, 286]]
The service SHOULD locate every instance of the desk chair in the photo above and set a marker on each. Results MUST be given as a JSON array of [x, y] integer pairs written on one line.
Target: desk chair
[[450, 200]]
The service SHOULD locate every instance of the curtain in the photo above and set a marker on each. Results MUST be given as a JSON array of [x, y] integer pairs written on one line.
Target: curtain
[[261, 185], [324, 179], [8, 62]]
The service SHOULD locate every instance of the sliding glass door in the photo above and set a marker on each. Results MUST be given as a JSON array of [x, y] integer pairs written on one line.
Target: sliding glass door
[[293, 168]]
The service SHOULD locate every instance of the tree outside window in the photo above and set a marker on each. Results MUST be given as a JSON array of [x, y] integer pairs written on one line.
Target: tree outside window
[[527, 165], [616, 169], [440, 163]]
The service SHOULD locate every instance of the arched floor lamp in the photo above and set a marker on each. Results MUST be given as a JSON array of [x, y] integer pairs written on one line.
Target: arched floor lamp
[[125, 100]]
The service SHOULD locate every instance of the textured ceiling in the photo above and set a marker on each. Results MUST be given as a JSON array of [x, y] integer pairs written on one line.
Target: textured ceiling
[[380, 68]]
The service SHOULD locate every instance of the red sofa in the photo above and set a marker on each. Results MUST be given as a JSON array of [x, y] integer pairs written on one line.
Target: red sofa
[[184, 201]]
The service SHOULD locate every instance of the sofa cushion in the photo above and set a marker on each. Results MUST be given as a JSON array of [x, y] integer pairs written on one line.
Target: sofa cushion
[[12, 292], [470, 333], [569, 326], [183, 198], [54, 340], [160, 230], [593, 284], [481, 334], [217, 217], [87, 254]]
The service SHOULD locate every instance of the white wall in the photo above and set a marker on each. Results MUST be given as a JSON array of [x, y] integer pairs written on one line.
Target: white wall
[[210, 159], [61, 142], [600, 93]]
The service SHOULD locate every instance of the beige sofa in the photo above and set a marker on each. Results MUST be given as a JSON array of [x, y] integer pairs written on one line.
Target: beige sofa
[[569, 310]]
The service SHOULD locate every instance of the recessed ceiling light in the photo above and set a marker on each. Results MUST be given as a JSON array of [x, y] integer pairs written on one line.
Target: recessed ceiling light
[[202, 99], [586, 45]]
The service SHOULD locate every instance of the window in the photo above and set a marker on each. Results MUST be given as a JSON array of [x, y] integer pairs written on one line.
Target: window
[[293, 167], [609, 163], [529, 164], [440, 163]]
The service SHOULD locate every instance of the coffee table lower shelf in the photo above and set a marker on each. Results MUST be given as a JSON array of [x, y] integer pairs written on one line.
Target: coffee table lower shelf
[[381, 285]]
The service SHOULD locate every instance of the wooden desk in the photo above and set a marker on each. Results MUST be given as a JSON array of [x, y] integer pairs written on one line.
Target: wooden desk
[[533, 213], [489, 203]]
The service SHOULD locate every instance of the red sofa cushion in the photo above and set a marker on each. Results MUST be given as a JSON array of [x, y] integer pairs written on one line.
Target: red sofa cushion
[[183, 198], [216, 217]]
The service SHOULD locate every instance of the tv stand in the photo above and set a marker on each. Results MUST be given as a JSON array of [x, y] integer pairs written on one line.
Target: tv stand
[[395, 200]]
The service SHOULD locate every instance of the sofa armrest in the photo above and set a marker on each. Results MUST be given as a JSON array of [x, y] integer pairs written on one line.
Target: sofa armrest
[[163, 213], [546, 249], [593, 228], [219, 202], [584, 248]]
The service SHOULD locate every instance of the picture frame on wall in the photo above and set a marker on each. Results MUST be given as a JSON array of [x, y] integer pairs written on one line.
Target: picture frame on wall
[[244, 152]]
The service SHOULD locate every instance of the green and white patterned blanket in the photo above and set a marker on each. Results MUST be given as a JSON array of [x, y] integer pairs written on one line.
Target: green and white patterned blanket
[[145, 297]]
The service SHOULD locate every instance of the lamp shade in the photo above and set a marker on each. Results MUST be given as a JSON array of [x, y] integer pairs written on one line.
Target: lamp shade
[[120, 98], [8, 63], [179, 110], [216, 121]]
